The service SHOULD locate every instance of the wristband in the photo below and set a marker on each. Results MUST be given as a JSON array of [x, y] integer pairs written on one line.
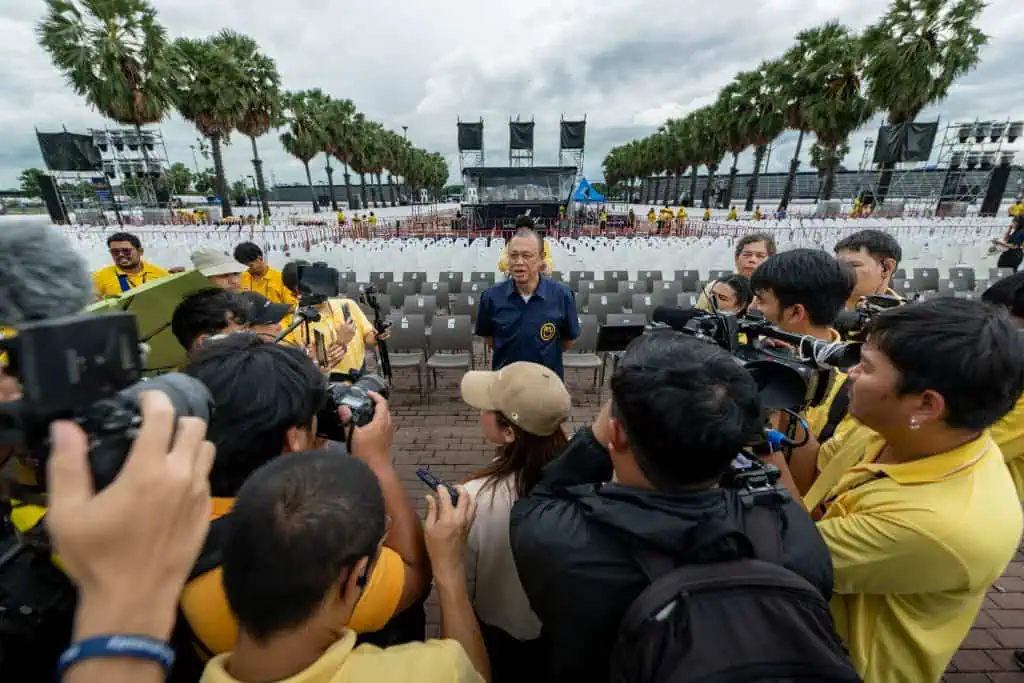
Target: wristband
[[113, 646]]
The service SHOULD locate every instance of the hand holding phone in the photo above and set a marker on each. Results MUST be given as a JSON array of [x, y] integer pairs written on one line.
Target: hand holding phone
[[432, 482]]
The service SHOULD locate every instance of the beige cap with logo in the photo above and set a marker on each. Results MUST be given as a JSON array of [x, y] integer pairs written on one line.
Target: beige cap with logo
[[531, 396], [211, 261]]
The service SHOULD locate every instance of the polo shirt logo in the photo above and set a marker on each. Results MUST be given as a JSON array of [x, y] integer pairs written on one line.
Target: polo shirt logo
[[547, 332]]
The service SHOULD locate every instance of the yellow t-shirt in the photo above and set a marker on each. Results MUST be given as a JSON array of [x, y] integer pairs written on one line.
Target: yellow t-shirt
[[1008, 434], [1017, 209], [107, 281], [503, 261], [332, 316], [206, 608], [373, 220], [270, 286], [433, 661], [682, 213], [914, 548]]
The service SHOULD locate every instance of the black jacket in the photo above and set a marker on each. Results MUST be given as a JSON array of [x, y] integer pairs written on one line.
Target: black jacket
[[574, 539]]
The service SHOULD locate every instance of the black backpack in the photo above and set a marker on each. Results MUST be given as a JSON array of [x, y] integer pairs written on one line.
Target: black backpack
[[747, 619]]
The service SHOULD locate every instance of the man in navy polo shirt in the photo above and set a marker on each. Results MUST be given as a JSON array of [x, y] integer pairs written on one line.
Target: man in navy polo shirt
[[528, 317]]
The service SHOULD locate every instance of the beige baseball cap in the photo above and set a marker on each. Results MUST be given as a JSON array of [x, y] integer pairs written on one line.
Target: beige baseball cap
[[530, 395], [211, 261]]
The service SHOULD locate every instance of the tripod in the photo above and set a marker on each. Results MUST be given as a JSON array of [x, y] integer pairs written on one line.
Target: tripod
[[380, 324]]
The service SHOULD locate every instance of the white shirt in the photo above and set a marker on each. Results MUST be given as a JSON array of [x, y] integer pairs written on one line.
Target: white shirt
[[494, 588]]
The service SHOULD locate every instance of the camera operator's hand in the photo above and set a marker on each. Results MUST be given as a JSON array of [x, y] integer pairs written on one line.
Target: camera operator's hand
[[130, 547], [10, 388], [176, 269], [346, 332], [445, 530], [336, 354], [372, 443]]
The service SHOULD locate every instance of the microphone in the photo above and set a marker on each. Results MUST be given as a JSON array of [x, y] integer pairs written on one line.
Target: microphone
[[676, 318], [41, 275]]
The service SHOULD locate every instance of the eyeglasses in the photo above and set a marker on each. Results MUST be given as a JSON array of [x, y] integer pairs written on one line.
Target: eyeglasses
[[514, 256], [122, 252]]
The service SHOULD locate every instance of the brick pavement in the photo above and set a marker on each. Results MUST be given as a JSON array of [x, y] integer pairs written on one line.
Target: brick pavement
[[444, 436]]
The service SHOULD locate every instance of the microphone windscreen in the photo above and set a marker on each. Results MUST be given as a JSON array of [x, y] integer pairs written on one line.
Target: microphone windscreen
[[41, 275], [676, 318]]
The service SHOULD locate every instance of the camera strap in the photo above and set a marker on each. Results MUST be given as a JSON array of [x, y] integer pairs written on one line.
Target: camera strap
[[838, 410]]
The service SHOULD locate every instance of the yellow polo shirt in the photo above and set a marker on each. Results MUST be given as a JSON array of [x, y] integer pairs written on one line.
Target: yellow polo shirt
[[270, 286], [1008, 433], [107, 281], [433, 661], [914, 548], [332, 316]]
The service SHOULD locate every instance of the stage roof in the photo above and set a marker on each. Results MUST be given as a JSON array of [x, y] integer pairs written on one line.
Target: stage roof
[[516, 171]]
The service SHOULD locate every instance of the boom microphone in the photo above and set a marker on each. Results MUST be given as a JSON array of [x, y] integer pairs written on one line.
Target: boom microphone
[[41, 275]]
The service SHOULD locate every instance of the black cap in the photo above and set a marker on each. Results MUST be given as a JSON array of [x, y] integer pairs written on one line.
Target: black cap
[[261, 310]]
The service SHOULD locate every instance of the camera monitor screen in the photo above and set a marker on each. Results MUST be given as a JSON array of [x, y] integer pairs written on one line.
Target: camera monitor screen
[[319, 280]]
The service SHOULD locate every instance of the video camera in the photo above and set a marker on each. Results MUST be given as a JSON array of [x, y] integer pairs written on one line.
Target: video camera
[[317, 283], [86, 368], [851, 324], [786, 380]]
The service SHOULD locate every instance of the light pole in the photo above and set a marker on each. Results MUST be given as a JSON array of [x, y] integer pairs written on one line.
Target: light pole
[[259, 204], [195, 161]]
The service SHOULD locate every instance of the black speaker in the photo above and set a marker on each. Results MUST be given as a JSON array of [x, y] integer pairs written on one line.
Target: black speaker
[[51, 195], [996, 190]]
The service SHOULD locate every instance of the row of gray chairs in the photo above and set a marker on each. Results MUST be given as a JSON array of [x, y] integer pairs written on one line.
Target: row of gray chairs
[[444, 343], [688, 279], [415, 280], [961, 279]]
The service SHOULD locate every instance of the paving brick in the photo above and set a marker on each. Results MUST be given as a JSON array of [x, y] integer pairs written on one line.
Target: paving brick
[[1009, 637], [966, 678], [983, 620], [1008, 618], [1005, 660], [968, 661], [1007, 600], [1006, 677], [979, 639]]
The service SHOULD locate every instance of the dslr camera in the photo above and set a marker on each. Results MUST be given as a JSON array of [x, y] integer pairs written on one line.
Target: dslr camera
[[353, 394], [86, 368], [851, 324]]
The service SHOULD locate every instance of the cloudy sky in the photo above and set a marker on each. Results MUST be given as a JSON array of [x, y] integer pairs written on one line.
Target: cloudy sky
[[626, 64]]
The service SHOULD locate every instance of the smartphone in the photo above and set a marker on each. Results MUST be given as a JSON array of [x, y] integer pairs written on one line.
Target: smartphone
[[321, 348], [345, 312], [433, 482]]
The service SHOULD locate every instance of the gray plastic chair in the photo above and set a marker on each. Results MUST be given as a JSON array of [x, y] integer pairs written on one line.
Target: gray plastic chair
[[439, 290], [587, 287], [718, 274], [626, 319], [630, 287], [965, 275], [687, 299], [478, 276], [416, 278], [453, 278], [603, 304], [689, 280], [613, 276], [451, 344], [925, 279], [576, 275], [421, 304], [466, 304], [475, 288], [996, 274], [582, 355], [408, 344], [345, 277], [644, 304], [379, 279], [649, 276], [398, 291], [665, 291]]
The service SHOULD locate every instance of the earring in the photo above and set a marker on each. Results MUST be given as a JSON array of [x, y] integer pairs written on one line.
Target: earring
[[914, 424]]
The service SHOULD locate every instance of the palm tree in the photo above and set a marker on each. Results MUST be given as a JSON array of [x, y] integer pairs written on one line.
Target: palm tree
[[115, 54], [262, 97], [342, 126], [303, 140], [796, 81], [709, 137], [395, 150], [680, 153], [760, 120], [826, 160], [915, 53], [363, 149], [835, 104], [211, 94], [731, 102]]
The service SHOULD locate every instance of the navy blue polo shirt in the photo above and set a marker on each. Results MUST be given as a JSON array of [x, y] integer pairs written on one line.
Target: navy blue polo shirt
[[528, 330]]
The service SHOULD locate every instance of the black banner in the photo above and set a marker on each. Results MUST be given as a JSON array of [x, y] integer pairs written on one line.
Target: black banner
[[471, 137], [905, 142], [69, 152], [573, 135], [520, 135], [51, 195]]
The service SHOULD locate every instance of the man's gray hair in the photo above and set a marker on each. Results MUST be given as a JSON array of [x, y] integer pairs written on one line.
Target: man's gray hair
[[528, 232]]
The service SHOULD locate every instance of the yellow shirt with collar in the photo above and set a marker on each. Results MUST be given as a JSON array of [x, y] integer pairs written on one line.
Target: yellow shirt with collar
[[269, 285], [106, 282], [433, 661], [1008, 433], [332, 316], [914, 548]]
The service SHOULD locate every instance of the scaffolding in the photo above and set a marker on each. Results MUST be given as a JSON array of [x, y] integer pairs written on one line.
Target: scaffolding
[[520, 142], [572, 146], [471, 144], [970, 152]]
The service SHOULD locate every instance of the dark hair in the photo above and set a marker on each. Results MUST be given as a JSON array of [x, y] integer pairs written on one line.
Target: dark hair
[[207, 311], [290, 274], [525, 222], [880, 245], [740, 287], [1008, 293], [523, 459], [969, 352], [247, 252], [260, 391], [124, 237], [687, 408], [530, 232], [299, 525], [809, 277], [754, 238]]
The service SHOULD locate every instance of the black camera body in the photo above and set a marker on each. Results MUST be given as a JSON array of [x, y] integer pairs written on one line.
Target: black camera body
[[354, 395], [86, 368], [851, 324]]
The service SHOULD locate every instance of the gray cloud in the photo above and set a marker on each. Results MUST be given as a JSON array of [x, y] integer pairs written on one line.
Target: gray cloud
[[626, 64]]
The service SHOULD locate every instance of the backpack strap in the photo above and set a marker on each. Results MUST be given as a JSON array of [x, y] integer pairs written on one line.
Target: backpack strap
[[211, 555], [763, 531], [838, 409], [702, 544]]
